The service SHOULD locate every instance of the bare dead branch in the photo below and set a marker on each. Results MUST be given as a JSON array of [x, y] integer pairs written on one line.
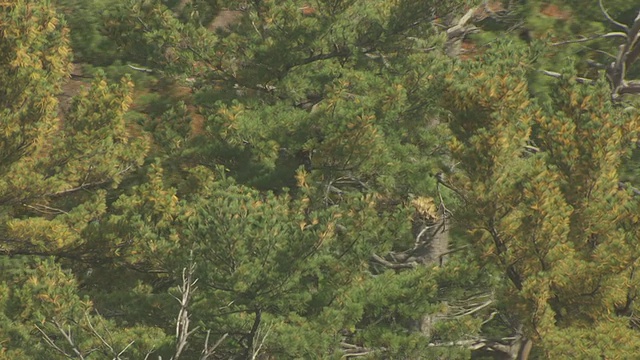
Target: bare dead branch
[[631, 87], [457, 32], [612, 20], [183, 321], [393, 265], [253, 334], [97, 334], [622, 185], [491, 316], [467, 312], [44, 209], [582, 80], [557, 75], [116, 354], [140, 69], [591, 38], [473, 344], [459, 28], [125, 349], [627, 54], [208, 351], [353, 351], [69, 338], [85, 186], [51, 343], [512, 346], [262, 338]]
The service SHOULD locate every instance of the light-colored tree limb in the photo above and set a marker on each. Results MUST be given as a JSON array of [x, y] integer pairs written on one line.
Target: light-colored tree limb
[[612, 20], [183, 321], [207, 350], [591, 38], [52, 343], [616, 71]]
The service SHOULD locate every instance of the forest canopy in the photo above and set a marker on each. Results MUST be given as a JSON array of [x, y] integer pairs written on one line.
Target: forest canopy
[[328, 179]]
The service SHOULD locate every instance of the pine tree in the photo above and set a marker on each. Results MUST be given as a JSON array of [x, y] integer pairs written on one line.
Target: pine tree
[[320, 138], [55, 167], [539, 178], [267, 189]]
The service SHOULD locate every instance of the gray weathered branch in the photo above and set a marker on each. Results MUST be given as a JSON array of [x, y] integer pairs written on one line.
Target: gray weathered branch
[[628, 53], [612, 20], [183, 321]]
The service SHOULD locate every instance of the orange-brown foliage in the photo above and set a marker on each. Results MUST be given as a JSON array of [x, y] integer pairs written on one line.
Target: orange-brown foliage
[[308, 10], [488, 9], [553, 11]]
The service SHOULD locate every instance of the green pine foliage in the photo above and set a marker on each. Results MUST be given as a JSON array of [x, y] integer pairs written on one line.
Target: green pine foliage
[[543, 203], [314, 179]]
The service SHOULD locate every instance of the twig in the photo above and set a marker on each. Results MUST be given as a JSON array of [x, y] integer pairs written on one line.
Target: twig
[[557, 75], [253, 334], [125, 349], [256, 351], [140, 69], [453, 251], [52, 343], [351, 350], [41, 208], [183, 320], [595, 37], [389, 264], [459, 27], [635, 191], [95, 332], [208, 351], [85, 186], [67, 336], [471, 311]]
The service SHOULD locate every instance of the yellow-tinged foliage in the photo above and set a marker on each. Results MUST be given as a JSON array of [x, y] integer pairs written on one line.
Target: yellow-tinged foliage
[[552, 218], [426, 207]]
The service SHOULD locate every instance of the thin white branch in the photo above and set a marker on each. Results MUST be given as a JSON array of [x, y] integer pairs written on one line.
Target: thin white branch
[[491, 316], [351, 350], [470, 344], [183, 320], [471, 311], [557, 75], [84, 186], [52, 343], [44, 209], [256, 350], [591, 38], [461, 23], [125, 349], [612, 20], [69, 338], [420, 234], [389, 264], [97, 334], [208, 351], [140, 69]]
